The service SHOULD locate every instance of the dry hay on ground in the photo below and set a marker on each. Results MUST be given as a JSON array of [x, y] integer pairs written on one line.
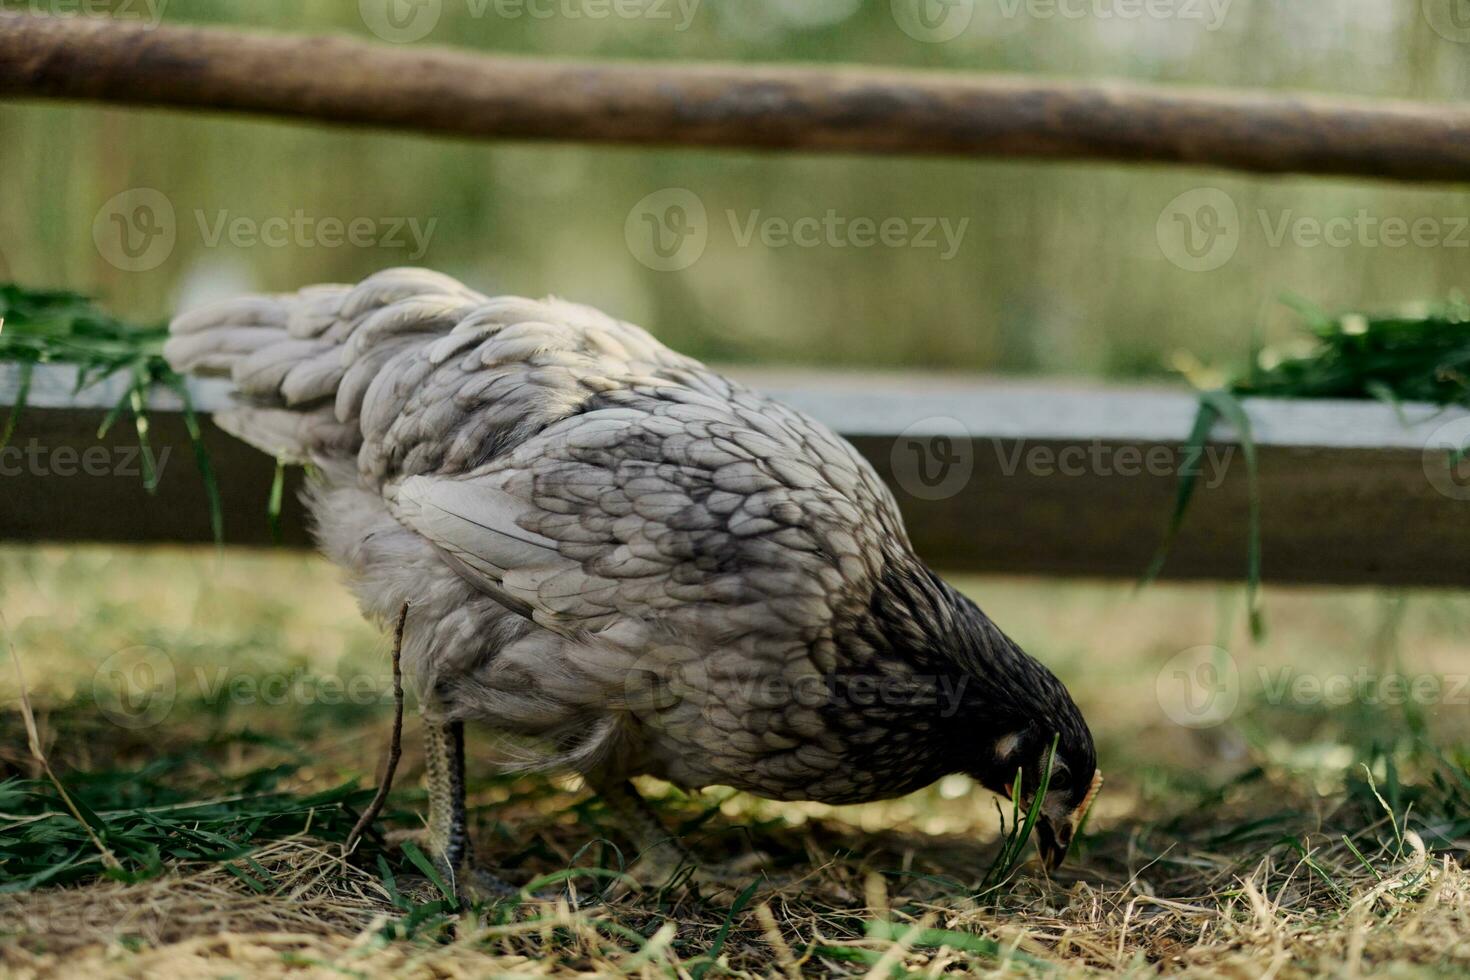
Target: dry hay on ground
[[1140, 902], [1193, 863]]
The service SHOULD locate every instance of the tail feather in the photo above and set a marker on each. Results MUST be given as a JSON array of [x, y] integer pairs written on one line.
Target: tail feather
[[248, 311], [274, 368], [290, 436], [219, 350], [303, 363], [409, 371]]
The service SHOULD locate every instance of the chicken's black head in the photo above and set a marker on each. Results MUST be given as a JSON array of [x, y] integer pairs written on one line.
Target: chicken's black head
[[1002, 710], [1014, 712], [1071, 778]]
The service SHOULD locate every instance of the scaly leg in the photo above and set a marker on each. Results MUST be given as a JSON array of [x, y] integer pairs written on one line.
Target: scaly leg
[[660, 854], [662, 857], [449, 838]]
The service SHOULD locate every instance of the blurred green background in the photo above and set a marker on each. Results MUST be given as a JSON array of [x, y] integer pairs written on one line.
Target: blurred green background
[[1060, 269]]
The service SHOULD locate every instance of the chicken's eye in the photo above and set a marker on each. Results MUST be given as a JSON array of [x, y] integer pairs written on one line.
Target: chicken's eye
[[1061, 779]]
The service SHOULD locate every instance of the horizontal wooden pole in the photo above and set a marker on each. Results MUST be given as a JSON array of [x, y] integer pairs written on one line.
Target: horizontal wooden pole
[[992, 477], [764, 107]]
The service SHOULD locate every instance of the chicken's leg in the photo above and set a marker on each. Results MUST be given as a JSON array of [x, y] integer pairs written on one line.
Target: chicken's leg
[[449, 838], [660, 853], [662, 858]]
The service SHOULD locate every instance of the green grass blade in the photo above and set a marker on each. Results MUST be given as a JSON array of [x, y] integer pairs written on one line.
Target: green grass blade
[[273, 506], [1194, 450], [22, 392], [417, 858], [136, 397], [741, 900], [1361, 860], [1013, 845], [114, 414], [202, 460], [1229, 407], [963, 941]]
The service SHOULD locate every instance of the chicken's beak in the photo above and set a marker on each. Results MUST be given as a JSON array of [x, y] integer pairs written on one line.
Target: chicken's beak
[[1054, 838], [1052, 841]]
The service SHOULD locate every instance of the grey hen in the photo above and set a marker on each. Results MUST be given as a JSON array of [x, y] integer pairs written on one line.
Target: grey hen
[[618, 555]]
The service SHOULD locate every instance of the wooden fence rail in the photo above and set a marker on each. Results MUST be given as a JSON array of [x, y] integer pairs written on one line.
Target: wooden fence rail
[[992, 477], [764, 107]]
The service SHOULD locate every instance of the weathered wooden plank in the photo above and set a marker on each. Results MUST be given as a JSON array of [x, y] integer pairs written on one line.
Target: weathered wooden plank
[[769, 107], [1049, 479]]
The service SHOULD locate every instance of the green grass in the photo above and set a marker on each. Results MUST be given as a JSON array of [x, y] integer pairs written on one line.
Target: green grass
[[154, 815], [1420, 355], [60, 327]]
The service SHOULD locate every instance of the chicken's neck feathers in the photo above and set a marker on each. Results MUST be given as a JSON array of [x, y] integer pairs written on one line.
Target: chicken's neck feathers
[[936, 625]]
